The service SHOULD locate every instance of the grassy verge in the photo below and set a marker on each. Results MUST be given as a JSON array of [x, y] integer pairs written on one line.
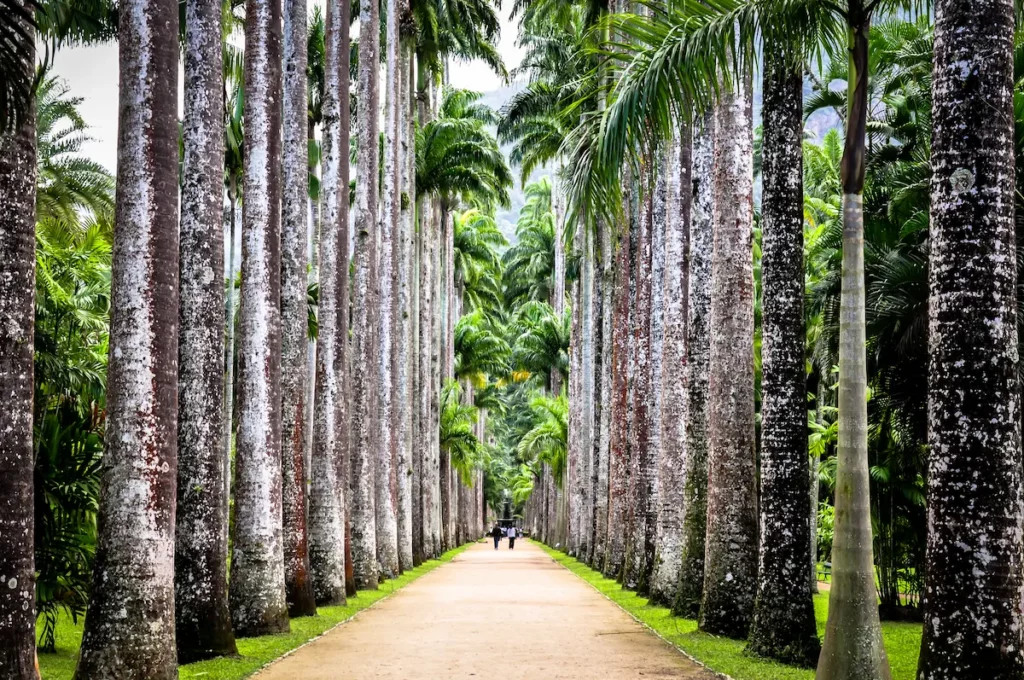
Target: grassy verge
[[902, 640], [253, 653]]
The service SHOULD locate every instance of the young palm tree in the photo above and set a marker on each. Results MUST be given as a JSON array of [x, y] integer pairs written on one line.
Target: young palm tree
[[294, 317], [129, 629], [258, 600], [784, 627], [974, 529], [202, 619], [17, 309], [327, 491], [364, 530]]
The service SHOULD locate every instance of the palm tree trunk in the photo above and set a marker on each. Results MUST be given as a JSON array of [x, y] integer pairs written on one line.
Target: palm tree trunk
[[229, 346], [584, 515], [424, 450], [445, 341], [312, 278], [575, 470], [327, 490], [129, 628], [698, 358], [258, 604], [202, 619], [618, 449], [17, 310], [853, 598], [294, 315], [402, 312], [815, 464], [676, 289], [387, 452], [974, 567], [730, 569], [437, 473], [784, 627], [364, 530], [605, 370]]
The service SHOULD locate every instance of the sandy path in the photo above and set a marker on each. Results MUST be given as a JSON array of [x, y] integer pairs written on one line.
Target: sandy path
[[490, 614]]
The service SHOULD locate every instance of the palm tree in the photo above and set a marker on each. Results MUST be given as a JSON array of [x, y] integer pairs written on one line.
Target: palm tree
[[17, 227], [784, 627], [294, 235], [327, 490], [974, 529], [234, 166], [529, 265], [129, 629], [364, 300], [202, 619], [258, 599]]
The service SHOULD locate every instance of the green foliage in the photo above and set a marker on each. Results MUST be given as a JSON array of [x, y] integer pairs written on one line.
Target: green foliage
[[457, 437], [548, 440]]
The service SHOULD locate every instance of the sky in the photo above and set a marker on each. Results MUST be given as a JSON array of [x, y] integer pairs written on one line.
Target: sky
[[92, 74]]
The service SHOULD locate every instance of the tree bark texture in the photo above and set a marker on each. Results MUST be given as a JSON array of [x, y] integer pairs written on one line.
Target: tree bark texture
[[258, 601], [129, 628], [972, 599], [202, 617], [784, 626]]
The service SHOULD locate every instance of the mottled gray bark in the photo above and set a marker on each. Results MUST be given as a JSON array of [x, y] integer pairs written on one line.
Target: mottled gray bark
[[327, 488], [673, 417], [730, 568], [444, 341], [784, 627], [17, 321], [258, 604], [294, 315], [202, 619], [364, 531], [698, 357], [604, 367], [974, 578], [129, 628]]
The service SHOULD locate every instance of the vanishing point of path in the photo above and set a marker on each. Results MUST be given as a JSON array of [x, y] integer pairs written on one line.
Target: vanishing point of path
[[490, 614]]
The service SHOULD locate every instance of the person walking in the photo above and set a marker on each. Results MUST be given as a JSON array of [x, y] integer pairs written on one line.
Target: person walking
[[496, 533], [511, 538]]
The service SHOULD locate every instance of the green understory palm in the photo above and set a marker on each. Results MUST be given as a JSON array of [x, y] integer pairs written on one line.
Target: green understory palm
[[477, 264], [542, 347], [548, 440], [479, 351], [456, 434]]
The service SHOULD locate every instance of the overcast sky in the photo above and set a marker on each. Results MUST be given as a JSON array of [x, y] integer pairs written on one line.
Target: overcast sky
[[91, 73]]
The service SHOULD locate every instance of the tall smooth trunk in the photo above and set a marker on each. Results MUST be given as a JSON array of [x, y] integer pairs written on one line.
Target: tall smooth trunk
[[672, 460], [784, 627], [425, 381], [202, 618], [129, 628], [698, 358], [364, 531], [17, 310], [294, 315], [974, 578], [229, 345], [386, 486], [327, 488], [258, 601], [605, 370], [730, 568], [853, 599]]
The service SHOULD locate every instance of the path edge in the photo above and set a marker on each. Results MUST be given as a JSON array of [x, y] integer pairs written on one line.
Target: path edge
[[631, 615], [256, 673]]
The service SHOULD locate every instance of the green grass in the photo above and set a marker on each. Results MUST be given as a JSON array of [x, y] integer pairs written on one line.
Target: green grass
[[253, 653], [902, 640]]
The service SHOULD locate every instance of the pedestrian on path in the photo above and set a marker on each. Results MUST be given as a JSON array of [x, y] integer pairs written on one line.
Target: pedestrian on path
[[511, 538], [496, 533]]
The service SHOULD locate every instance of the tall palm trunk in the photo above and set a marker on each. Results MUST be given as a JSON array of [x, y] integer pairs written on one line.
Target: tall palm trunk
[[605, 370], [17, 311], [618, 450], [575, 470], [698, 358], [202, 618], [439, 474], [584, 515], [402, 311], [294, 331], [974, 552], [422, 527], [730, 570], [129, 628], [444, 340], [784, 627], [327, 489], [672, 393], [387, 452], [364, 530], [229, 343], [853, 603], [258, 601]]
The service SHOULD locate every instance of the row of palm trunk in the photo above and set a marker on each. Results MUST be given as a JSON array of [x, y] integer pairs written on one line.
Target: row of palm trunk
[[670, 492], [374, 496]]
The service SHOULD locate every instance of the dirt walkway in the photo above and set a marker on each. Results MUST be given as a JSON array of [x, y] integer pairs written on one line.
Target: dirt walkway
[[490, 614]]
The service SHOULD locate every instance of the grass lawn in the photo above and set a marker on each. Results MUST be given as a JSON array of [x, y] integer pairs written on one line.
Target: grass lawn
[[253, 653], [902, 640]]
